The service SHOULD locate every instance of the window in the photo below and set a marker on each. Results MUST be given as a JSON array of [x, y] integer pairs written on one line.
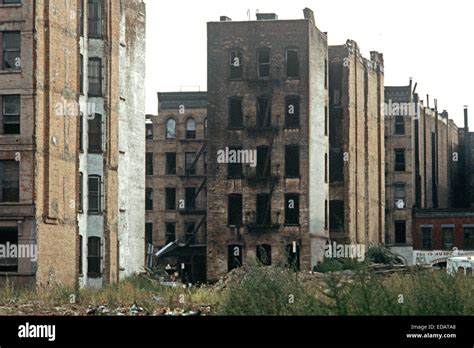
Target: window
[[264, 112], [399, 160], [81, 17], [9, 181], [148, 233], [81, 74], [234, 210], [326, 74], [264, 254], [95, 19], [234, 260], [171, 129], [95, 134], [292, 161], [292, 109], [448, 237], [170, 163], [10, 114], [93, 256], [149, 163], [326, 168], [205, 128], [326, 221], [235, 112], [326, 120], [399, 195], [292, 209], [9, 236], [170, 232], [264, 210], [10, 47], [81, 132], [468, 238], [264, 162], [293, 256], [81, 192], [426, 239], [234, 170], [94, 194], [149, 199], [170, 196], [149, 131], [190, 198], [10, 1], [95, 77], [191, 128], [81, 248], [189, 233], [399, 125], [336, 217], [400, 232], [190, 166], [236, 64], [263, 63], [292, 63]]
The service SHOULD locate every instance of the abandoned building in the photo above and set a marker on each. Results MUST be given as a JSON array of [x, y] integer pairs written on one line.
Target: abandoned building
[[267, 100], [356, 137], [466, 165], [72, 140], [176, 184]]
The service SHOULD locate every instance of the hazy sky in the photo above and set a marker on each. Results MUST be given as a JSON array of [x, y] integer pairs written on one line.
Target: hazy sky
[[423, 39]]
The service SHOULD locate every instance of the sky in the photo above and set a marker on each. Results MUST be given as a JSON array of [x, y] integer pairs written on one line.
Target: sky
[[423, 39]]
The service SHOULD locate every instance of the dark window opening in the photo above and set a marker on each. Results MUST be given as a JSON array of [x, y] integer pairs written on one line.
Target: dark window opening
[[264, 254], [81, 261], [149, 199], [9, 236], [81, 74], [448, 238], [399, 160], [10, 113], [149, 163], [81, 132], [264, 63], [94, 194], [426, 238], [236, 65], [189, 232], [170, 163], [264, 113], [468, 238], [190, 166], [95, 77], [326, 168], [292, 209], [9, 181], [170, 198], [336, 218], [191, 128], [190, 198], [81, 20], [292, 63], [170, 232], [81, 192], [399, 125], [234, 210], [234, 170], [149, 131], [236, 116], [292, 112], [94, 256], [293, 256], [326, 208], [234, 257], [95, 14], [148, 233], [95, 134], [292, 161], [400, 232], [264, 210], [264, 162]]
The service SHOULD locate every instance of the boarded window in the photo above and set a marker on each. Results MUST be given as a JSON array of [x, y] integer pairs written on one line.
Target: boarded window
[[336, 218], [94, 256], [400, 232], [170, 197], [190, 198], [235, 112], [292, 63], [234, 210], [292, 109], [95, 77], [426, 238], [95, 12], [9, 236], [264, 254], [190, 164], [264, 112], [292, 161], [10, 46], [399, 160], [170, 232], [95, 134], [149, 163], [292, 209], [149, 199], [10, 113], [264, 63], [234, 170], [191, 128], [264, 162], [448, 238], [234, 257], [170, 163], [236, 64], [264, 210]]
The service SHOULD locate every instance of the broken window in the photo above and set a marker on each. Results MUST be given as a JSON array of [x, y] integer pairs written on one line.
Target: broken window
[[399, 125], [10, 113], [149, 131], [81, 192], [190, 166], [171, 128], [264, 254], [264, 162], [190, 198], [426, 238], [292, 161], [149, 199], [10, 50], [170, 163], [170, 232], [292, 63], [9, 236], [190, 128], [234, 210], [264, 63], [264, 210], [170, 198], [468, 238], [236, 64], [95, 19], [234, 170], [399, 160], [235, 111], [149, 163], [292, 109], [264, 112], [293, 256], [234, 257], [148, 233], [95, 134], [9, 181], [400, 232], [94, 257], [336, 218], [94, 194], [448, 237], [292, 209], [95, 77], [189, 232]]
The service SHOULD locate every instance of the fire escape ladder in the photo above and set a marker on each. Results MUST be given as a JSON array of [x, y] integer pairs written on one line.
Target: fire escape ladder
[[196, 229], [199, 154]]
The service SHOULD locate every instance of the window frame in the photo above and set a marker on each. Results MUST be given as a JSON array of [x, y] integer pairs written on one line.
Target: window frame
[[94, 252], [4, 49], [95, 80], [97, 195]]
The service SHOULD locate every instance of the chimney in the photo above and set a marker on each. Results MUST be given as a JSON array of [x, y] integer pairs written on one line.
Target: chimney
[[466, 120], [308, 14], [267, 17], [225, 19]]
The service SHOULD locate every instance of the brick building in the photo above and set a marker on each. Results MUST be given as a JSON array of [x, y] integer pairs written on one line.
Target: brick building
[[356, 161], [466, 151], [267, 94], [67, 108], [176, 171]]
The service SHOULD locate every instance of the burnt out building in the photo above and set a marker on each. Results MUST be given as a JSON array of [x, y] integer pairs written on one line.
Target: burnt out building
[[176, 184], [268, 149], [466, 152], [356, 137]]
